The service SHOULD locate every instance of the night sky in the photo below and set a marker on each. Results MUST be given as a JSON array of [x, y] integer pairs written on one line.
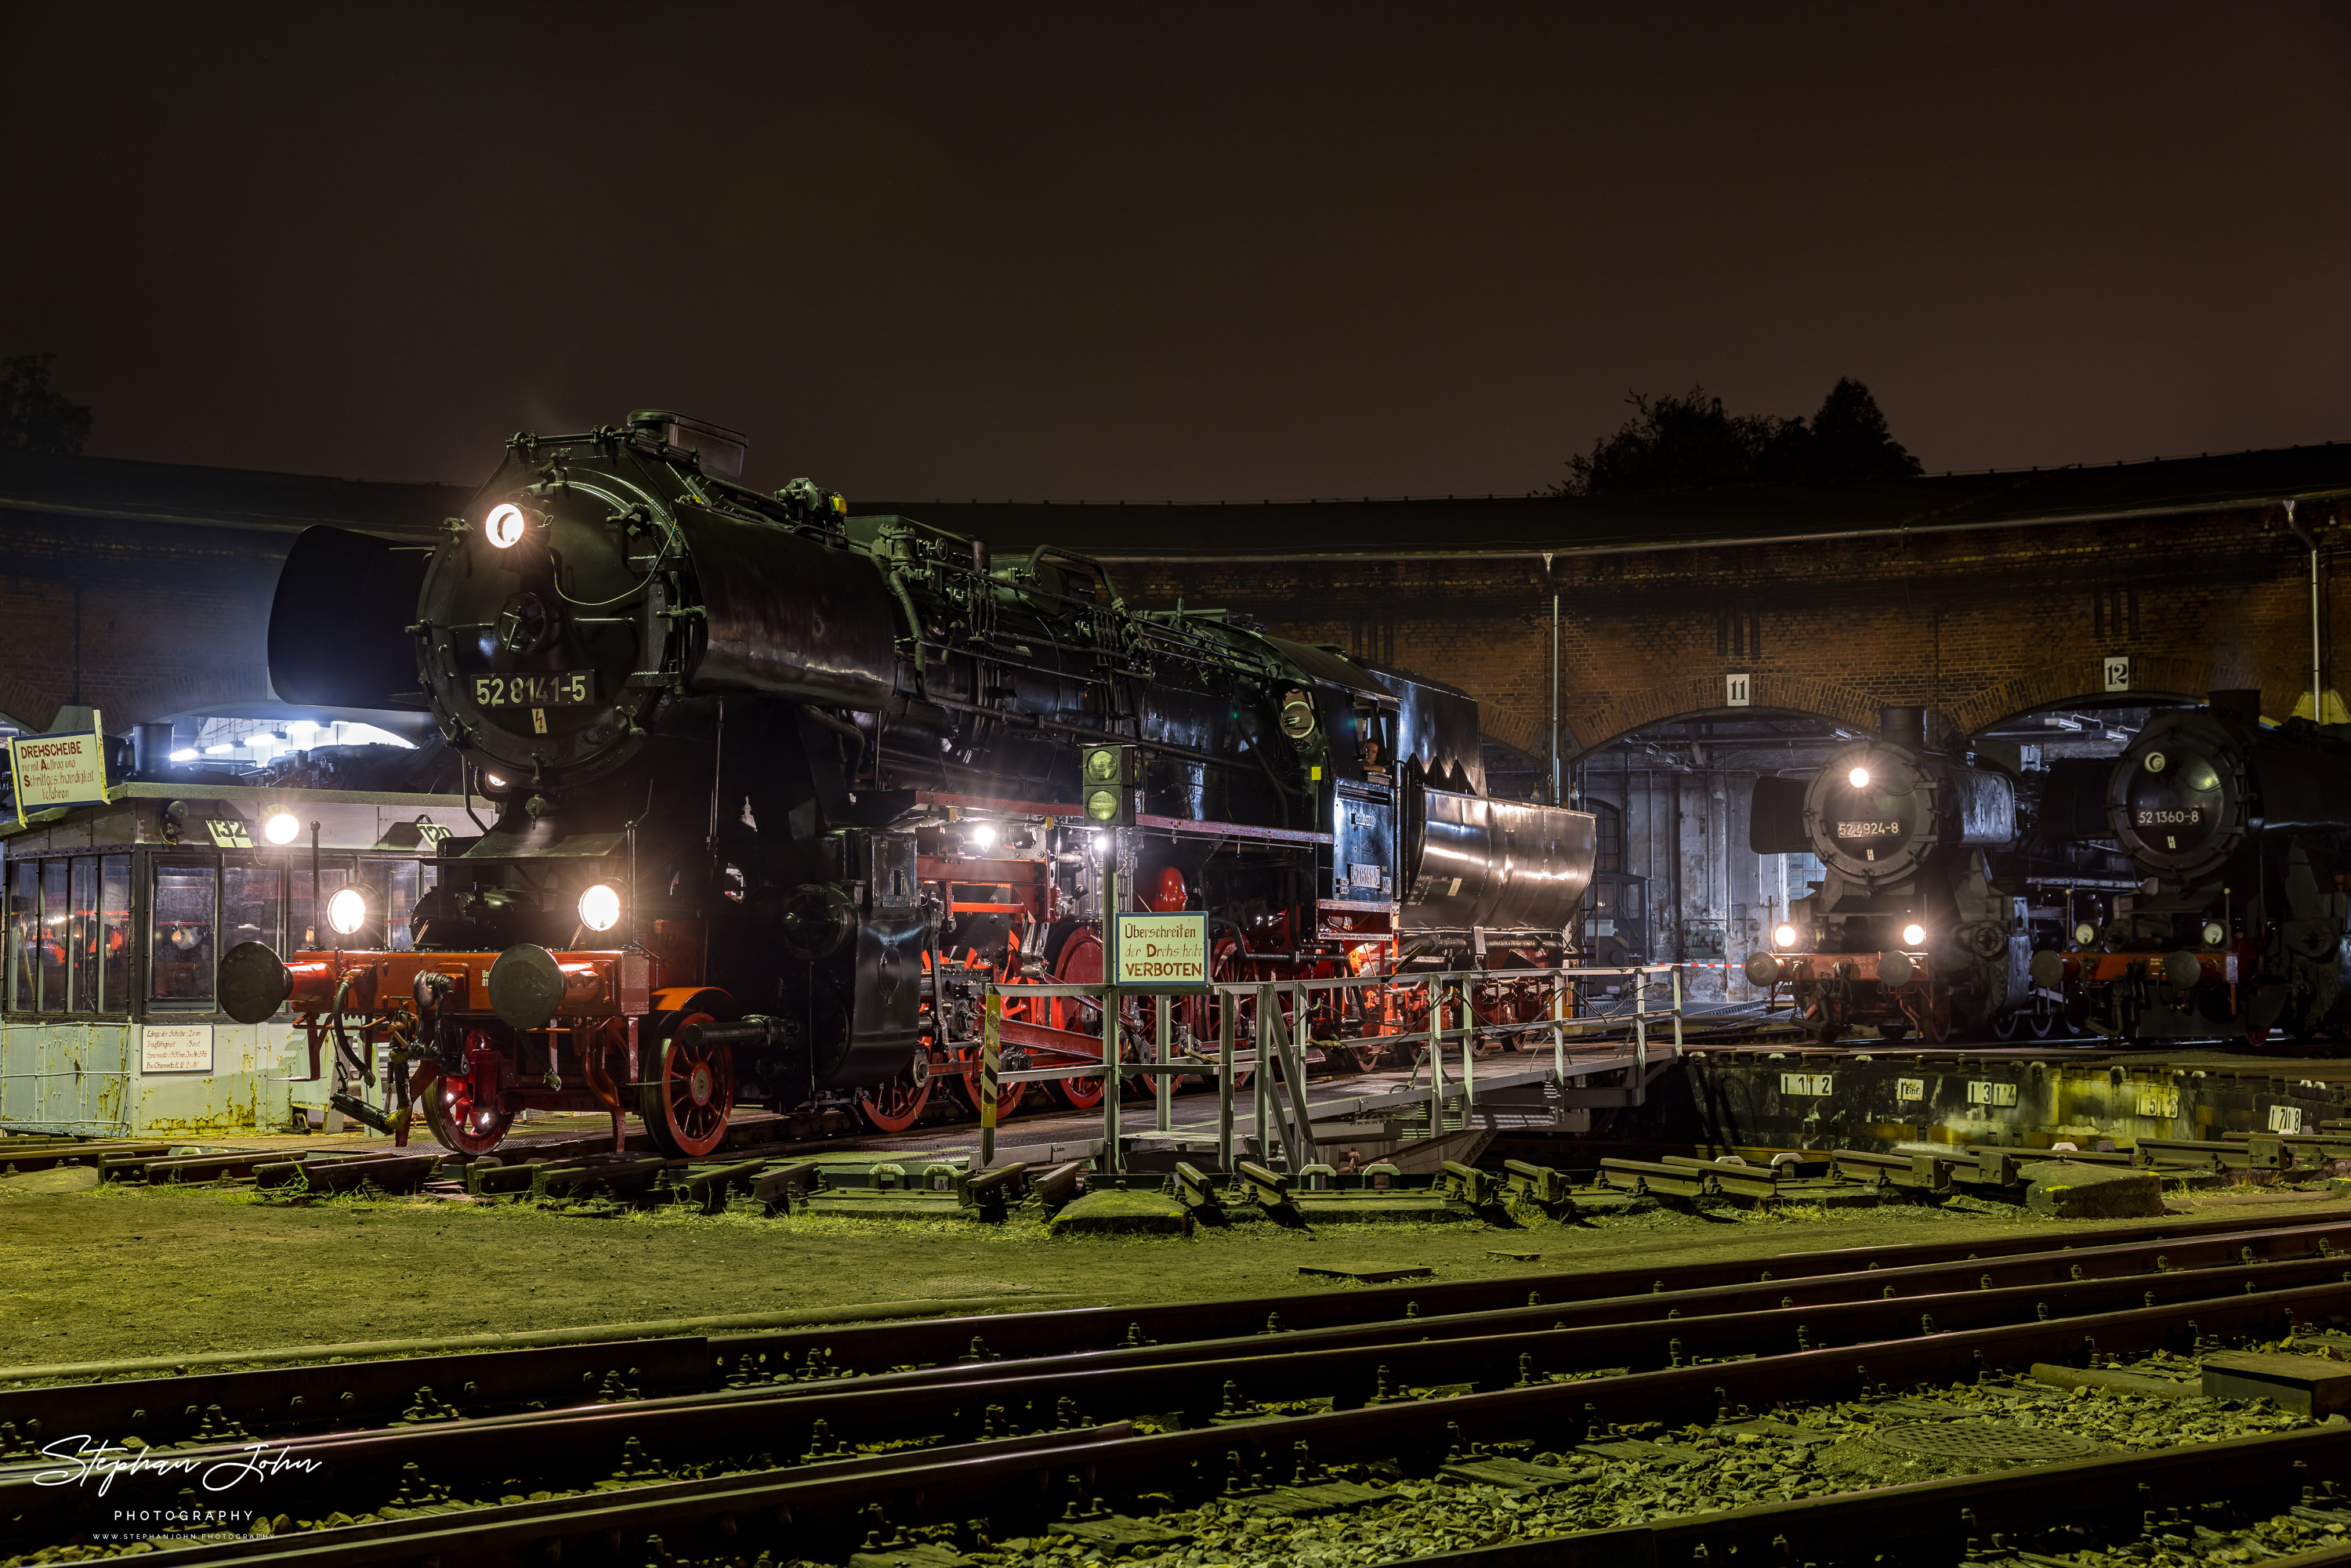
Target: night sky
[[1173, 251]]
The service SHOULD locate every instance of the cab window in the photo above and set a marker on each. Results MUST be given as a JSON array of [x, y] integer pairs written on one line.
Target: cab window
[[181, 944]]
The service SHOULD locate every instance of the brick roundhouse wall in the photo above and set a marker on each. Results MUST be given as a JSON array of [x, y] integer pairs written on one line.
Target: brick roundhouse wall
[[172, 619], [1978, 626]]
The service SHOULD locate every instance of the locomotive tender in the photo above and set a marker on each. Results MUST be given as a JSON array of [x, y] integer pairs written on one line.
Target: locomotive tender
[[2239, 834], [1908, 929], [766, 776]]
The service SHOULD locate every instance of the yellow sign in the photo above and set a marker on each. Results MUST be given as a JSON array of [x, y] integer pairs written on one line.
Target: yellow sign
[[53, 770], [1156, 951]]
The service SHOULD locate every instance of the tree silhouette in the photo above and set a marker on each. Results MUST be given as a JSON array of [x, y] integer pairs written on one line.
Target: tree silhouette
[[1677, 441], [32, 417]]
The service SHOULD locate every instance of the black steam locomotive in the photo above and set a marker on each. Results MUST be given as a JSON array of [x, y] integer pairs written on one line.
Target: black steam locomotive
[[1909, 929], [767, 777], [2241, 834]]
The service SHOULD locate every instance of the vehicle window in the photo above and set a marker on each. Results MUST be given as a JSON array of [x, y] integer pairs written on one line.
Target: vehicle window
[[81, 936], [114, 933], [305, 930], [183, 940], [249, 904], [23, 978], [55, 900], [401, 889]]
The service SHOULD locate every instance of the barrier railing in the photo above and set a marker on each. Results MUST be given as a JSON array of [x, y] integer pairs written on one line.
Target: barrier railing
[[1277, 1052]]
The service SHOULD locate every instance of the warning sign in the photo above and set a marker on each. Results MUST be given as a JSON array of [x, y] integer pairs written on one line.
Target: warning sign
[[1156, 951], [59, 770]]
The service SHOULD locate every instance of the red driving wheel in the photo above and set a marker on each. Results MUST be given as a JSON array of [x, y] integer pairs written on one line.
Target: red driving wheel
[[687, 1098], [467, 1112], [1081, 963], [967, 1071], [894, 1106]]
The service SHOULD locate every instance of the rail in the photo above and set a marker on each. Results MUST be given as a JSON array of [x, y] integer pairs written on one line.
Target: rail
[[1448, 999]]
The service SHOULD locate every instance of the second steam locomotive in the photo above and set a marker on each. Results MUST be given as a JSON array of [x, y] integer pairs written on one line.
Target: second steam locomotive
[[766, 776]]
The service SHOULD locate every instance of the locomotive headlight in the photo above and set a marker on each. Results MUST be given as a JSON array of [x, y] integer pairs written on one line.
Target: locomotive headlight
[[503, 528], [1784, 936], [2084, 934], [2213, 935], [280, 828], [599, 908], [1858, 778], [347, 911], [1102, 805], [1913, 933], [983, 836]]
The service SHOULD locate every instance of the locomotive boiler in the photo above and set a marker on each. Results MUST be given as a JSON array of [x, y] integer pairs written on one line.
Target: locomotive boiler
[[775, 788], [1908, 929], [2241, 836]]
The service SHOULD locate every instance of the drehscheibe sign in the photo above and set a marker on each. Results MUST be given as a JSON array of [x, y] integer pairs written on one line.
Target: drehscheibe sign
[[1157, 952], [54, 770]]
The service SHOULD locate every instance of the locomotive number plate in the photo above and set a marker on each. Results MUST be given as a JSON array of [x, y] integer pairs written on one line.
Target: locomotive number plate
[[1867, 829], [2192, 816], [572, 688]]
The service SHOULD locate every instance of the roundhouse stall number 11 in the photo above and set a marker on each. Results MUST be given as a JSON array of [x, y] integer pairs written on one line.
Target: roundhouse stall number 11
[[570, 689]]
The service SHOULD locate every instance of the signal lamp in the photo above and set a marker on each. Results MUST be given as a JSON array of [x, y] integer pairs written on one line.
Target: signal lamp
[[1858, 778], [503, 528], [347, 911], [1784, 936], [2213, 935], [599, 908], [1109, 776], [1913, 935], [2084, 934], [280, 828]]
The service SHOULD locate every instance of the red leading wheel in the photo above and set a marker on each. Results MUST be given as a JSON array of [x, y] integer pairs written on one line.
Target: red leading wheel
[[467, 1113], [687, 1098], [894, 1106]]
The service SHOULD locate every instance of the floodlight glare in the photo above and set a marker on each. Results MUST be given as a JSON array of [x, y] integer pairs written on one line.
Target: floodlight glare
[[1913, 935], [983, 836], [1784, 936], [281, 828], [347, 911], [599, 908], [1858, 778]]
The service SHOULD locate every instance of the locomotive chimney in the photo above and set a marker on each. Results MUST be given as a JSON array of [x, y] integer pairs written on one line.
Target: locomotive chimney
[[1903, 727], [2239, 702]]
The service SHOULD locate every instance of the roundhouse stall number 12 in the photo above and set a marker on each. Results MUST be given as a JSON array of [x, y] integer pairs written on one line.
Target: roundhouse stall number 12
[[572, 688]]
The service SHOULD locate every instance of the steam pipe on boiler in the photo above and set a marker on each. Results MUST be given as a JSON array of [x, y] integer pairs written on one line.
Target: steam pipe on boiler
[[2318, 688]]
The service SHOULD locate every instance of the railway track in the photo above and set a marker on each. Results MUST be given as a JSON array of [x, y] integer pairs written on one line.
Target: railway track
[[1337, 1403]]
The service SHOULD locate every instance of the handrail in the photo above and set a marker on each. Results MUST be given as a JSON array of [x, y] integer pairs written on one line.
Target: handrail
[[1281, 1053]]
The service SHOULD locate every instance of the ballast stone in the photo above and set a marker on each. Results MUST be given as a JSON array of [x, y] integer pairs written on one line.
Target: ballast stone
[[2063, 1190]]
